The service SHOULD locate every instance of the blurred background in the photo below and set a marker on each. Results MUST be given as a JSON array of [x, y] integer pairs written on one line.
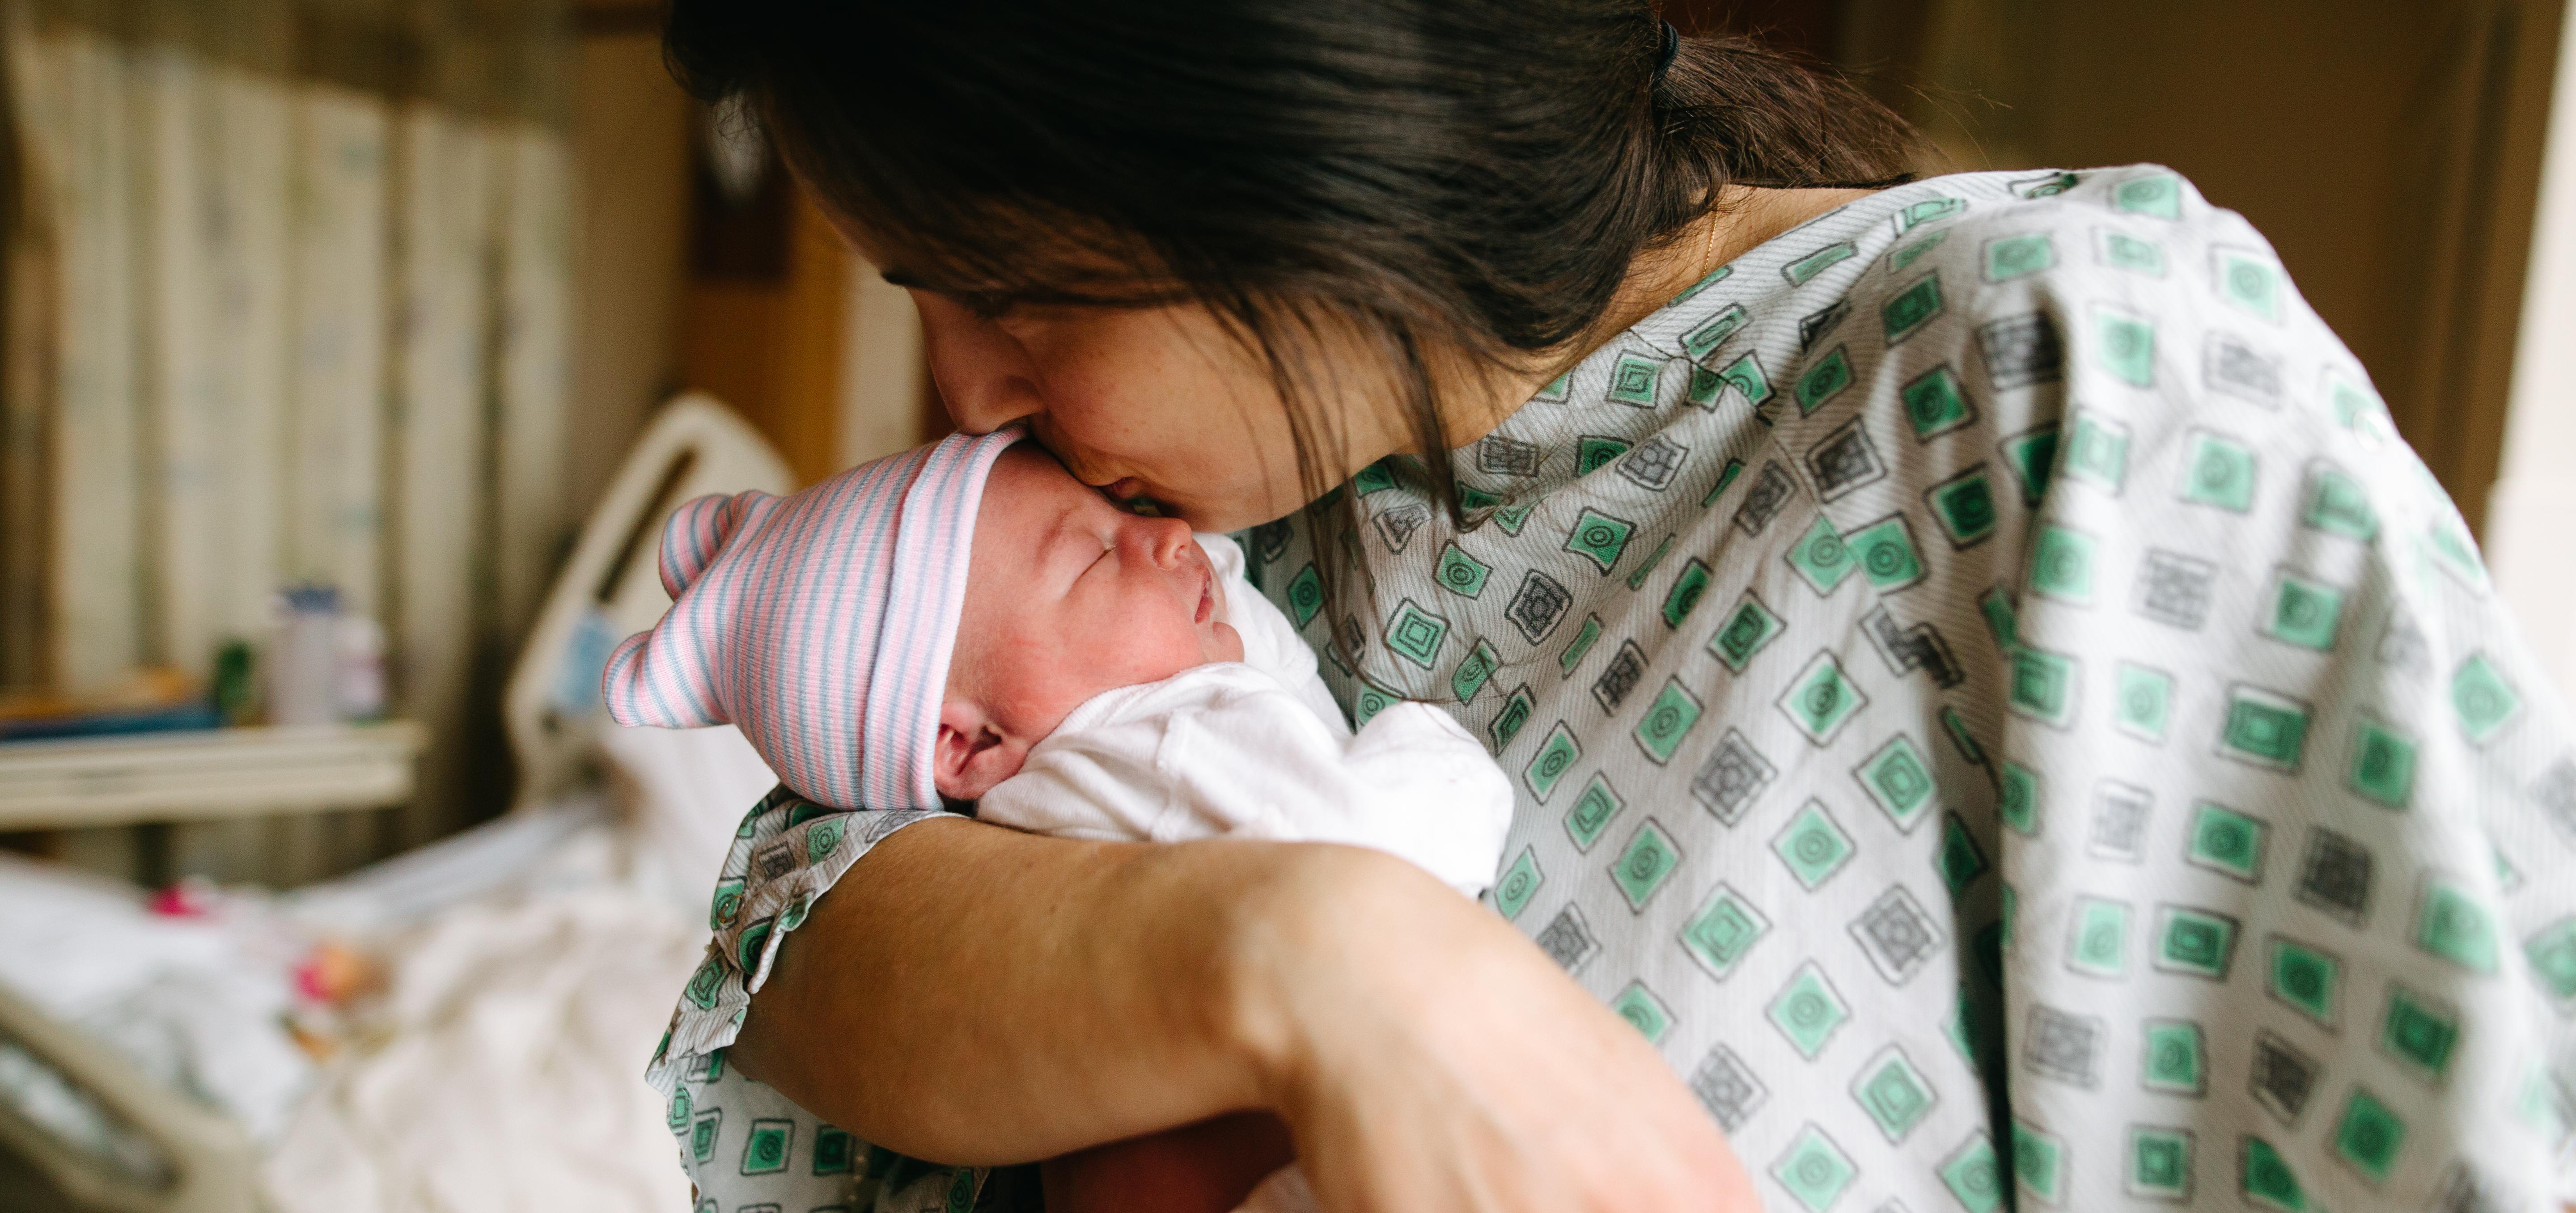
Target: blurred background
[[350, 309], [350, 351]]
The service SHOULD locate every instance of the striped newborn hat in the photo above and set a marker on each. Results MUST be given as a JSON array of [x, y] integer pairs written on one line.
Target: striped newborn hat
[[820, 622]]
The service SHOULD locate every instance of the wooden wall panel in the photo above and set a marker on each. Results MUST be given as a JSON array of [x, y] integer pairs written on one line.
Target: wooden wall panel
[[2388, 150], [772, 349]]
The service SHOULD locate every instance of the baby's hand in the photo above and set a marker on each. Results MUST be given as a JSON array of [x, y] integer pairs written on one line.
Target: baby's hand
[[1208, 1167]]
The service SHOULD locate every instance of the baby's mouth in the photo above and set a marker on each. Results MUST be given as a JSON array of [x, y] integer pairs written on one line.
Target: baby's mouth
[[1207, 597]]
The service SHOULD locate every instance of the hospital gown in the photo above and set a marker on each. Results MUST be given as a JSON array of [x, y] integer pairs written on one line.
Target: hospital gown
[[1990, 697]]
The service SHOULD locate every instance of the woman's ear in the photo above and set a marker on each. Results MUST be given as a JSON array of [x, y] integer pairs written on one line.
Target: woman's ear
[[971, 755]]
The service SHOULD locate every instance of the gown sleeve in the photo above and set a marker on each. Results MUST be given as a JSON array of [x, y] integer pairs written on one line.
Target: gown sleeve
[[742, 1143], [2288, 808]]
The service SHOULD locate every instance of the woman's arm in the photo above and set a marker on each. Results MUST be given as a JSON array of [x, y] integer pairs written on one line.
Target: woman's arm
[[976, 995]]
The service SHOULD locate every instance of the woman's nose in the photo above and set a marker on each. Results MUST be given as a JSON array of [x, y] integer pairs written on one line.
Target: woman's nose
[[984, 376]]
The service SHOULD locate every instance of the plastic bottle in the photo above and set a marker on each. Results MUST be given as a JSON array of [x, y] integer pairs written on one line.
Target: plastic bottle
[[361, 668], [304, 659]]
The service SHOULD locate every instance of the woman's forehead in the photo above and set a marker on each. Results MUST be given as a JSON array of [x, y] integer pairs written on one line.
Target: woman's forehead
[[1010, 253]]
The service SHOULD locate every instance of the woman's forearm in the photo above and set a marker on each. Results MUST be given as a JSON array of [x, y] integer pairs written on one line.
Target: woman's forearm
[[968, 994], [972, 994]]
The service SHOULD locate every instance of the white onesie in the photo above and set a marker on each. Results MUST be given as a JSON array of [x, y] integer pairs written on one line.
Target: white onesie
[[1257, 749]]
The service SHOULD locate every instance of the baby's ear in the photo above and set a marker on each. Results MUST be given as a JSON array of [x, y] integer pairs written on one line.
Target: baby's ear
[[971, 755]]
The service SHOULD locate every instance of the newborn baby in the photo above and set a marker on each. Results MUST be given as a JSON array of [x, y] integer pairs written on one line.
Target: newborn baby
[[1115, 677], [1103, 675]]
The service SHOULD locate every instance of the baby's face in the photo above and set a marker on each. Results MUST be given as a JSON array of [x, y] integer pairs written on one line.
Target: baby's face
[[1067, 596]]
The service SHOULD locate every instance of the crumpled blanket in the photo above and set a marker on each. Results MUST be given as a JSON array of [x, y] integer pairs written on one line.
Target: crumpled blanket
[[197, 1004], [500, 1069]]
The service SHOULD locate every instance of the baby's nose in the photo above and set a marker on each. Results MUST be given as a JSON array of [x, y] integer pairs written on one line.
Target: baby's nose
[[1164, 539]]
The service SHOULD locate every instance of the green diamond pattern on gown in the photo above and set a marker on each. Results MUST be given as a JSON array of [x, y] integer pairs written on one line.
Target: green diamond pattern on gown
[[2336, 504], [1641, 868], [1518, 883], [1821, 558], [2250, 283], [2160, 1164], [1894, 1094], [2127, 345], [2175, 1057], [2097, 451], [2420, 1033], [2130, 253], [2016, 256], [1725, 927], [1989, 698], [1808, 1012], [1643, 1011], [1973, 1176], [2196, 942], [1592, 812], [2143, 704], [1990, 608], [1813, 1171], [2219, 472], [1964, 507], [2226, 841], [2383, 764], [1813, 847]]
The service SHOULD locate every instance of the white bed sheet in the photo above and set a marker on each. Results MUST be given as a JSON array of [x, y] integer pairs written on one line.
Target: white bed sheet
[[528, 970], [499, 1071], [197, 1005], [502, 1068]]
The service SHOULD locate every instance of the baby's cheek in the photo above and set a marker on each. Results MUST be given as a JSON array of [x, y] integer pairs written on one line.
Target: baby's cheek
[[1146, 645], [1174, 643]]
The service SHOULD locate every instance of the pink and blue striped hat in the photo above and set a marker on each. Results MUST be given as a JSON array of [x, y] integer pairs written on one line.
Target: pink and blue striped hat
[[820, 623]]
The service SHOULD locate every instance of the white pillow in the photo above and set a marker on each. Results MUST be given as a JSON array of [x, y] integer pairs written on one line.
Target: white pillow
[[687, 790]]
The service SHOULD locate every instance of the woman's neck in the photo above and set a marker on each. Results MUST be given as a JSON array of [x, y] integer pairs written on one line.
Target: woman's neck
[[1479, 396]]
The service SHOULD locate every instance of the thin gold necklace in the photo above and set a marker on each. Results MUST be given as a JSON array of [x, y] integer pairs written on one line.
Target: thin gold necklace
[[1708, 247]]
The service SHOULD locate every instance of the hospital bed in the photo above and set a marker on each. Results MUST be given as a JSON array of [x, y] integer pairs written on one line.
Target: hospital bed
[[526, 965]]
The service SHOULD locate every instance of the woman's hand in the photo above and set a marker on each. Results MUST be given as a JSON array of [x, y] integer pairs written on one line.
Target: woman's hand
[[1428, 1058]]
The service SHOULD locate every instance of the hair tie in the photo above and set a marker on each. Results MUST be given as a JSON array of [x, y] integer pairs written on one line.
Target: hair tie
[[1672, 46]]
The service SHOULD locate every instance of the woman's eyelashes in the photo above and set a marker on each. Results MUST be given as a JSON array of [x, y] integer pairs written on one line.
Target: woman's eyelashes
[[991, 307]]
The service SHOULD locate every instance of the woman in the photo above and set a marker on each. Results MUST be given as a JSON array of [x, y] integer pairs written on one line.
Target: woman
[[1988, 692]]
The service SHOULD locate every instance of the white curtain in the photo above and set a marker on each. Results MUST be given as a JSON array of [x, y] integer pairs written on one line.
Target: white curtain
[[288, 303]]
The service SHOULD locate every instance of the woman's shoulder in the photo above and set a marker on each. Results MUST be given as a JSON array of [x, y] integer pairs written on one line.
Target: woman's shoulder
[[2095, 284], [2137, 223], [2000, 265], [2142, 192], [2070, 323], [2134, 286]]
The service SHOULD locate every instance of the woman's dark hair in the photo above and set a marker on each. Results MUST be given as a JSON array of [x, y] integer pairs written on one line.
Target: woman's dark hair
[[1468, 175]]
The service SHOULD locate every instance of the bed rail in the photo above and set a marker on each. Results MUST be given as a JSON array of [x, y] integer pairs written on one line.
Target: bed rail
[[611, 586], [119, 1142], [148, 1149]]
